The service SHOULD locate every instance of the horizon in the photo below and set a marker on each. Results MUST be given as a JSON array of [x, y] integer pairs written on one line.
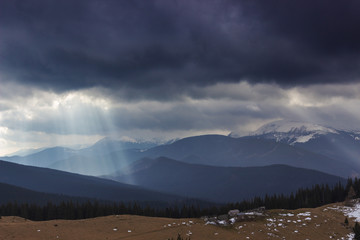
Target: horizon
[[156, 141], [74, 73]]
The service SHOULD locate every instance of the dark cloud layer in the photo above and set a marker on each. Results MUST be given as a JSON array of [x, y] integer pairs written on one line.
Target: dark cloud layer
[[63, 45]]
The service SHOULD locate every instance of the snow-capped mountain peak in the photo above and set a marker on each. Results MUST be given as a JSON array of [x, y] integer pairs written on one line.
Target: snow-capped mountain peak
[[285, 126], [292, 131]]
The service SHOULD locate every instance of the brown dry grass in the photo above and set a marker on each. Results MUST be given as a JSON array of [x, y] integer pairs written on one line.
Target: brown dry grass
[[324, 224]]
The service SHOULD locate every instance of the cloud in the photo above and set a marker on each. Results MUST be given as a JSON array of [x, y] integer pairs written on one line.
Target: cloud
[[222, 107], [42, 118], [175, 45], [324, 27], [168, 69]]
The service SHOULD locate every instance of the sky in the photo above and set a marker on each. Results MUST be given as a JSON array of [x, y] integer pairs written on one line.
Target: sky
[[73, 72]]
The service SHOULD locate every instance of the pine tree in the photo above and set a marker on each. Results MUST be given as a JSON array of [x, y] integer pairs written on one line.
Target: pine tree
[[356, 230], [350, 196]]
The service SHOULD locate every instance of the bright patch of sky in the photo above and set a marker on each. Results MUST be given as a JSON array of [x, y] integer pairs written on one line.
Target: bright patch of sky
[[38, 118]]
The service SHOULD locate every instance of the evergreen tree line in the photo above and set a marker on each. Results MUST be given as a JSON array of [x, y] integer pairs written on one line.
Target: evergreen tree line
[[316, 196]]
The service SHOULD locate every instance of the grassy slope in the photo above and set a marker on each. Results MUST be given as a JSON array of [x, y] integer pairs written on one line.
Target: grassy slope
[[326, 223]]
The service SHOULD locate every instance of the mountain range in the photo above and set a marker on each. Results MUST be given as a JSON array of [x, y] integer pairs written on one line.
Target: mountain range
[[217, 150], [291, 143], [343, 145], [277, 158], [101, 158], [11, 193], [160, 180], [64, 183], [220, 184]]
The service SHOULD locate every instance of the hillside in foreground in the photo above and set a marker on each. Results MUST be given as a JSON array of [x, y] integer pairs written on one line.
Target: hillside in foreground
[[326, 222]]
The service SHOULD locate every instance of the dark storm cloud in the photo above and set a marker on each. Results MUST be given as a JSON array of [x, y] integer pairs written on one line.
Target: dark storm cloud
[[64, 45], [326, 27]]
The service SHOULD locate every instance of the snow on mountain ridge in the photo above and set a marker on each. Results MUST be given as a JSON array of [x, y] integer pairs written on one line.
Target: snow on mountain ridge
[[293, 131], [284, 126]]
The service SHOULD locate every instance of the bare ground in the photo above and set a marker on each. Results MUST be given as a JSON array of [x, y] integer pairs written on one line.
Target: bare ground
[[318, 223]]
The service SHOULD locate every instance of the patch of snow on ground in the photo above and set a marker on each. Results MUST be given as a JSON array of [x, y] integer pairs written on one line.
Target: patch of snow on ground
[[222, 222], [286, 214], [350, 236], [352, 212], [305, 214], [271, 234], [211, 223]]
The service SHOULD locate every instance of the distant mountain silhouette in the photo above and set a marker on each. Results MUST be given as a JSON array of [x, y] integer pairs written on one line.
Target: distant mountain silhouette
[[342, 145], [220, 184], [309, 146], [96, 164], [58, 182], [43, 158], [101, 158], [218, 150], [11, 193], [109, 145]]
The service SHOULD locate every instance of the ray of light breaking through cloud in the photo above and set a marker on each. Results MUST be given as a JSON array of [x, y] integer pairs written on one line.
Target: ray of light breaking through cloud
[[75, 72], [73, 116]]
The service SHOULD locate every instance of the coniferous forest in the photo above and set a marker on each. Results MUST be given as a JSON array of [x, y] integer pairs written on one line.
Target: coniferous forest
[[316, 196]]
